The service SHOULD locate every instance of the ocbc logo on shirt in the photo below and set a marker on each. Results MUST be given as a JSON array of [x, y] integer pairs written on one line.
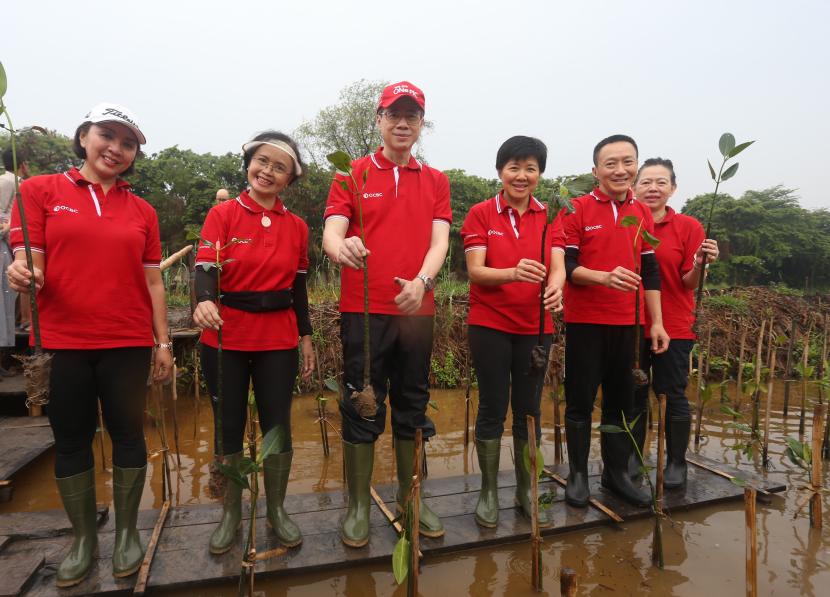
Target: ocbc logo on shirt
[[492, 232], [371, 195], [58, 208], [589, 228]]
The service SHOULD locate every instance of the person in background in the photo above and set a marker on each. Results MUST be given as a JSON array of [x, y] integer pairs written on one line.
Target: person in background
[[406, 215], [683, 255], [263, 320], [103, 315], [221, 195], [601, 260], [7, 186], [503, 249]]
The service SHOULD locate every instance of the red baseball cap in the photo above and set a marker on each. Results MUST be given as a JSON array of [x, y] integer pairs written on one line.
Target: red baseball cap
[[395, 91]]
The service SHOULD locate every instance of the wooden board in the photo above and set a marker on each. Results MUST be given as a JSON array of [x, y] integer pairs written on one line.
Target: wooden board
[[13, 386], [22, 439], [182, 558], [17, 569]]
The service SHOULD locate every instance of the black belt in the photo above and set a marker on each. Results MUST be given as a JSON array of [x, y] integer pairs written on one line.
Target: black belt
[[259, 302]]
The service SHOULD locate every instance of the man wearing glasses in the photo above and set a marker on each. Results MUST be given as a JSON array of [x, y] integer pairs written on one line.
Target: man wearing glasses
[[406, 219]]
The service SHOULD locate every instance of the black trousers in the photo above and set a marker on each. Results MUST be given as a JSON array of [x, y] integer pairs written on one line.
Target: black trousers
[[400, 347], [272, 373], [669, 375], [118, 376], [502, 363], [597, 355]]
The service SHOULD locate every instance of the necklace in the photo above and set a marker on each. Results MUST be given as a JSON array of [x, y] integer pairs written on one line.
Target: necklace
[[265, 221]]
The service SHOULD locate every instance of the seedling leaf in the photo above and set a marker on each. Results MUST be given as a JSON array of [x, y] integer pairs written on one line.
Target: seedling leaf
[[273, 442], [3, 81], [630, 221], [729, 172], [540, 460], [234, 475], [340, 160], [738, 481], [400, 559], [738, 149], [331, 384], [726, 144], [611, 429], [651, 239], [712, 170]]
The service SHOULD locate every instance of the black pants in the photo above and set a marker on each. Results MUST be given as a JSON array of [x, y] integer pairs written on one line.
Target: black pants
[[272, 372], [118, 376], [400, 348], [502, 363], [669, 375], [598, 355]]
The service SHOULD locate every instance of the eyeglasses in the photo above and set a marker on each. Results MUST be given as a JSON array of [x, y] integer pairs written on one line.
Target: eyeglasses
[[275, 167], [412, 117]]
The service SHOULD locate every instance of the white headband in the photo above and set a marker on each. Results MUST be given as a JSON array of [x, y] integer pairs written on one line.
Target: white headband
[[282, 146]]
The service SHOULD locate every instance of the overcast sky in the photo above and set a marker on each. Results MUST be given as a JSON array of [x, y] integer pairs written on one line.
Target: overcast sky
[[674, 75]]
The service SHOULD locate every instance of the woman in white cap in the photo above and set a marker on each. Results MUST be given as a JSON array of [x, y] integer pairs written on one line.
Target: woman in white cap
[[103, 315], [264, 316]]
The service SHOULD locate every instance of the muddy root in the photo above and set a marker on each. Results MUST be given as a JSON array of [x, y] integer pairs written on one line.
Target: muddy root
[[365, 402], [640, 377], [216, 483], [37, 369], [538, 359]]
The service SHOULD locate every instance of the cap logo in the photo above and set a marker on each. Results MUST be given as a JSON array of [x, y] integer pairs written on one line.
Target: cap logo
[[119, 114], [404, 89]]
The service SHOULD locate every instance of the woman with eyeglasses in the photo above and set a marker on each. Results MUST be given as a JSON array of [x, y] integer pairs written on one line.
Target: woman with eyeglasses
[[264, 311], [682, 256]]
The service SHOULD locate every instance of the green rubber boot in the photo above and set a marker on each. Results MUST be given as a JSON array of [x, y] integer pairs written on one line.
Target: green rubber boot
[[359, 459], [404, 455], [127, 486], [78, 496], [523, 500], [224, 534], [487, 508], [277, 467]]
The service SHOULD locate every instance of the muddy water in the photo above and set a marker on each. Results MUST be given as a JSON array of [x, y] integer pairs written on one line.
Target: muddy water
[[704, 549]]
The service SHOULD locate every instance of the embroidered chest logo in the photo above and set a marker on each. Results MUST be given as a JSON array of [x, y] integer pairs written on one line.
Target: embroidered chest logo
[[589, 228], [372, 195], [492, 232], [59, 208]]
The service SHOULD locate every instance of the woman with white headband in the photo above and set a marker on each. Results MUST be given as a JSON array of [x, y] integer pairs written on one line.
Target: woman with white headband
[[264, 311]]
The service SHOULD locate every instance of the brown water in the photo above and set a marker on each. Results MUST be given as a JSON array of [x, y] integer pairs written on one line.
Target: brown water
[[704, 548]]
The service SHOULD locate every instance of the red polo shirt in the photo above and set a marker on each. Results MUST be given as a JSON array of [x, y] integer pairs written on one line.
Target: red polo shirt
[[595, 229], [507, 237], [96, 247], [270, 261], [400, 204], [680, 237]]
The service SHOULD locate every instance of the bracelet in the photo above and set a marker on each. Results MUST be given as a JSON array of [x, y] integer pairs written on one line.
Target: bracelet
[[165, 345]]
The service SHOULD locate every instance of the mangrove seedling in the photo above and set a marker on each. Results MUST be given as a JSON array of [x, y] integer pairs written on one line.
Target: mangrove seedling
[[640, 376], [728, 150], [37, 367], [748, 441], [801, 455], [645, 470], [364, 400], [219, 264]]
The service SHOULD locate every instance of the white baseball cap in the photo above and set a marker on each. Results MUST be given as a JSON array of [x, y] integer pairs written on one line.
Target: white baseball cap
[[108, 112]]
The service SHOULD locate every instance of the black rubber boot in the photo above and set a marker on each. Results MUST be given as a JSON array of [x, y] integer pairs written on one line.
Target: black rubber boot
[[639, 433], [578, 438], [677, 440], [616, 449]]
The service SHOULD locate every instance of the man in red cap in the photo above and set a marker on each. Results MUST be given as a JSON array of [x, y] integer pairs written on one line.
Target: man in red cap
[[406, 220]]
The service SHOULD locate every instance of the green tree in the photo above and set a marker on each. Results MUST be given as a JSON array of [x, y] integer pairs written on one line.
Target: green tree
[[47, 153]]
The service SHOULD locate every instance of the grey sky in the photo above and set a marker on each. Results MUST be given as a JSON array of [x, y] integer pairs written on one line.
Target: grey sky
[[674, 75]]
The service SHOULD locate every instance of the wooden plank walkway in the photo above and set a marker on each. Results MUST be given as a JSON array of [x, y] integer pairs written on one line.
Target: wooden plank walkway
[[182, 558], [22, 439]]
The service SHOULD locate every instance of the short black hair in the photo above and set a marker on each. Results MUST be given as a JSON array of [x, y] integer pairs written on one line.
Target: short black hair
[[81, 152], [8, 161], [272, 135], [521, 148], [614, 139], [658, 162]]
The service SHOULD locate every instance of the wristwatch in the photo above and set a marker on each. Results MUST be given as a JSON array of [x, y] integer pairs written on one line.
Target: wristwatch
[[165, 346], [429, 283]]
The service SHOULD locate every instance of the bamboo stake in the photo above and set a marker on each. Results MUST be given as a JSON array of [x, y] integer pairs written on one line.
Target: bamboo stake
[[765, 452], [568, 584], [804, 360], [758, 366], [144, 571], [249, 557], [414, 496], [661, 450], [557, 422], [692, 459], [175, 419], [467, 404], [395, 522], [699, 394], [725, 376], [535, 536], [825, 450], [101, 435], [740, 374], [708, 351], [162, 430], [818, 435], [197, 391], [321, 410], [751, 543], [788, 367], [181, 253]]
